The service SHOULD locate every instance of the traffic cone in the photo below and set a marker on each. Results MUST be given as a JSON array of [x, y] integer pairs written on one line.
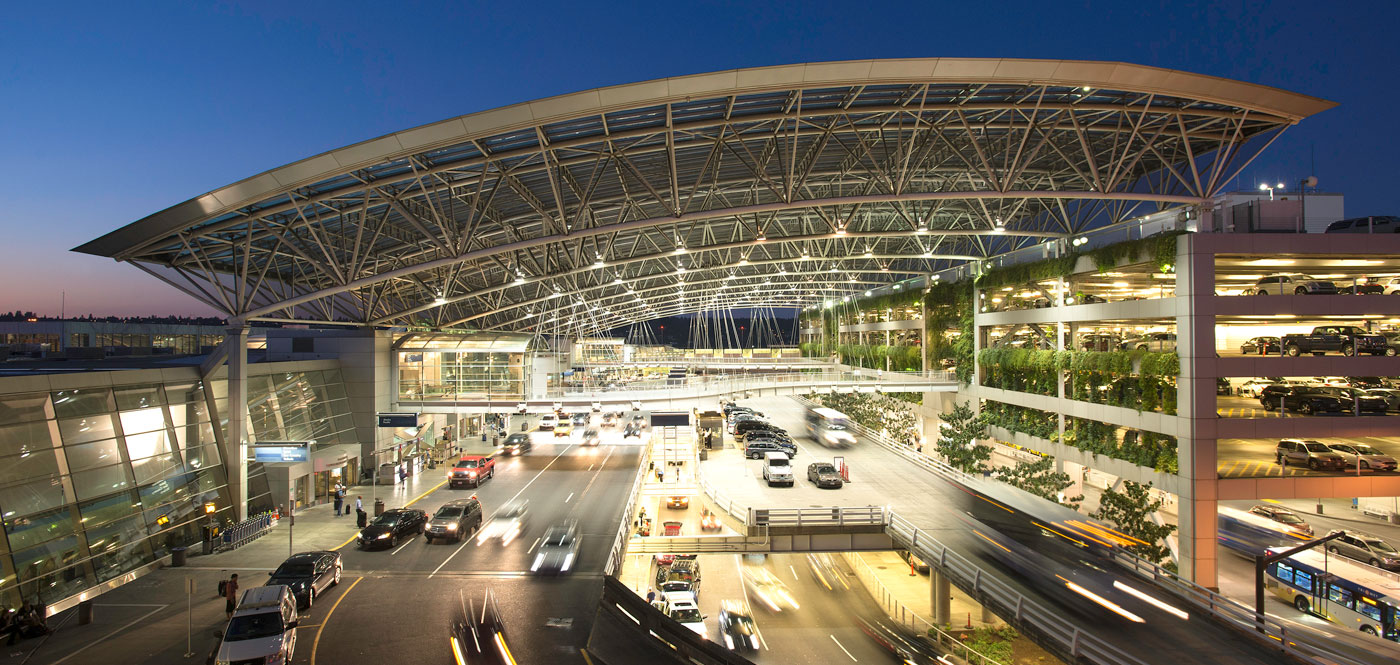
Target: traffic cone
[[912, 572], [969, 621]]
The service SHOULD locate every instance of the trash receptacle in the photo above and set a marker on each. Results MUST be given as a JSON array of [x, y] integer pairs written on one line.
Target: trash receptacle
[[177, 557], [209, 533], [704, 454], [378, 507]]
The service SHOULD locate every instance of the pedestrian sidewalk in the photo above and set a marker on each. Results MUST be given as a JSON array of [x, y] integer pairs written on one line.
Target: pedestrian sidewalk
[[317, 527]]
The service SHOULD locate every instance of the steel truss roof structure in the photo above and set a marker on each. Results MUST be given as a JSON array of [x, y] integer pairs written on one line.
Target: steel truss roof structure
[[779, 185]]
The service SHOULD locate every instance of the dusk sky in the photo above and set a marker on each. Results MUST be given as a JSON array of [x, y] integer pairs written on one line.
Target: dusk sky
[[113, 111]]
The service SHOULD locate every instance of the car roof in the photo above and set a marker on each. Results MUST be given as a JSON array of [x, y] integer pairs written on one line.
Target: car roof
[[460, 502], [262, 597], [473, 457], [305, 557]]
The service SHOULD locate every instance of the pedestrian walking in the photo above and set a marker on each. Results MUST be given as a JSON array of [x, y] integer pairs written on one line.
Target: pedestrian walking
[[339, 500], [651, 596], [231, 595]]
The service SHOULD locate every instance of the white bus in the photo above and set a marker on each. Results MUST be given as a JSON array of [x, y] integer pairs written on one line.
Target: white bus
[[1344, 592], [829, 427]]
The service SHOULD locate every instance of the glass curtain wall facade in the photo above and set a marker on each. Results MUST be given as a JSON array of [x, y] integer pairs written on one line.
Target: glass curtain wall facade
[[469, 366], [96, 482], [295, 406]]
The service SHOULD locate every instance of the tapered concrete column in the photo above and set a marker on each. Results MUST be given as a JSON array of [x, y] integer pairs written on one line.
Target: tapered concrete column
[[236, 440], [942, 597], [987, 616]]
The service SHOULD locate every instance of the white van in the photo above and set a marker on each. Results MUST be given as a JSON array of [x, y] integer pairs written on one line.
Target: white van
[[263, 627], [777, 469], [549, 422]]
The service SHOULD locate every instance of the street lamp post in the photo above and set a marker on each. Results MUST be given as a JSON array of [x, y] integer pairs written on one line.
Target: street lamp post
[[1265, 187]]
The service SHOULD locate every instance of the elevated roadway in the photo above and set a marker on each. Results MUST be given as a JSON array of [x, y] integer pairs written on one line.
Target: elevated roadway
[[663, 394], [937, 507]]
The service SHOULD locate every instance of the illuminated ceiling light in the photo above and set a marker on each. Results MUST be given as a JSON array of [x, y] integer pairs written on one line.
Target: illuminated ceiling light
[[884, 268], [743, 261], [928, 254], [729, 276], [868, 254], [679, 250], [782, 271], [520, 279], [1000, 226], [867, 294], [617, 280], [829, 303], [1085, 89], [841, 230], [680, 269], [556, 294], [439, 301], [896, 286], [761, 237], [599, 263], [833, 269], [845, 298]]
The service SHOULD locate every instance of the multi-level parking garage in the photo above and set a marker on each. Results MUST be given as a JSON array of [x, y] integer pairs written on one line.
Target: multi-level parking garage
[[805, 186]]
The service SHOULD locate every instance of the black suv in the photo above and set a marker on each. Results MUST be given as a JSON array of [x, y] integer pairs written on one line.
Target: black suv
[[516, 444], [1303, 399], [454, 521], [743, 428]]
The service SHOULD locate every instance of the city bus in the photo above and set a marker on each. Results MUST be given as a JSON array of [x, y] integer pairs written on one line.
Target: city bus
[[829, 427], [1344, 592], [1251, 534]]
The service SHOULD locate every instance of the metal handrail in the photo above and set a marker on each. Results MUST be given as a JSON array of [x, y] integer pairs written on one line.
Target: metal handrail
[[873, 378], [619, 546]]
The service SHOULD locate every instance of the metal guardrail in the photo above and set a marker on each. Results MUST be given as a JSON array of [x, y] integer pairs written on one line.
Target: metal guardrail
[[614, 564], [833, 516], [245, 532], [1073, 644], [629, 608]]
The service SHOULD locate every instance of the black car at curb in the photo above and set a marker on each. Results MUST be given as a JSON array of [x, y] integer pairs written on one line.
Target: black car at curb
[[391, 527], [308, 574]]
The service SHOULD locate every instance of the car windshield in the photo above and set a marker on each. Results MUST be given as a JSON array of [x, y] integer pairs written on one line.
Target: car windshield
[[1317, 448], [386, 520], [298, 569], [253, 626], [467, 463], [1367, 450], [1343, 449], [449, 512], [1380, 546], [826, 468], [516, 438], [557, 538], [676, 585], [687, 616], [742, 624], [1288, 518]]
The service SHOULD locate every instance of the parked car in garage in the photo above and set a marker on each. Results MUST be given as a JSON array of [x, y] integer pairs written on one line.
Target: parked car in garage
[[1305, 452], [1269, 345], [1363, 456], [1303, 399], [1289, 284], [1157, 341]]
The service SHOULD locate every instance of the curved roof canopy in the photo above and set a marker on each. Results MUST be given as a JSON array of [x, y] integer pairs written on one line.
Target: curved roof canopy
[[776, 186]]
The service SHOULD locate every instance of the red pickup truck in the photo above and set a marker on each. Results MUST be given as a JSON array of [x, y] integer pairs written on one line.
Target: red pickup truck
[[471, 470]]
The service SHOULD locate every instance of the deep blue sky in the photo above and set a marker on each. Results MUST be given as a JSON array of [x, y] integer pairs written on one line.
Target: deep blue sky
[[112, 111]]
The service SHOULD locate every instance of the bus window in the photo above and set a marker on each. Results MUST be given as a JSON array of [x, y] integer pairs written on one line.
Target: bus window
[[1285, 572], [1303, 580], [1368, 608], [1339, 595]]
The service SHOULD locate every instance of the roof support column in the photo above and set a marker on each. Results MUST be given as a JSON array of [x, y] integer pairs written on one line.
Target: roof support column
[[236, 440], [1196, 453]]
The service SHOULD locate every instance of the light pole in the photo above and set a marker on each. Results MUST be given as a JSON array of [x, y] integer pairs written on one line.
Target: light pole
[[1270, 189]]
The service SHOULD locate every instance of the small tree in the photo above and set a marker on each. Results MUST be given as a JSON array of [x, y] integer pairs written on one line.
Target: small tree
[[1041, 479], [1131, 510], [957, 439]]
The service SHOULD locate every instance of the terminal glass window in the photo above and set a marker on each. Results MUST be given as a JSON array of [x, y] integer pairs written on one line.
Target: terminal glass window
[[452, 367]]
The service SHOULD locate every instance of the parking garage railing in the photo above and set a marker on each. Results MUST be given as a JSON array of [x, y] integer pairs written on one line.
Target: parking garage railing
[[624, 531]]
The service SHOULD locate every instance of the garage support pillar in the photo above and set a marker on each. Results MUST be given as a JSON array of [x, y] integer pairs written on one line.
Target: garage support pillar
[[942, 598]]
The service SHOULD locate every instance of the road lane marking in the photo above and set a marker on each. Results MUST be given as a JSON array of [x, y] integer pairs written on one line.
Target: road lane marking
[[532, 546], [327, 619], [833, 639], [108, 635], [794, 573], [566, 499], [493, 515], [405, 544], [465, 541]]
